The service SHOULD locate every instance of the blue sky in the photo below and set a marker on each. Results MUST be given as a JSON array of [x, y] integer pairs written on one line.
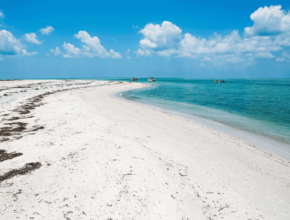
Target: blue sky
[[69, 39]]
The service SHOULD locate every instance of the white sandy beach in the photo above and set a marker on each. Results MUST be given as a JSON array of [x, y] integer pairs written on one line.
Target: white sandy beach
[[103, 157]]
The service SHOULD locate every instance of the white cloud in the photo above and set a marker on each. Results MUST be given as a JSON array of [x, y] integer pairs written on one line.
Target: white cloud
[[128, 54], [32, 38], [269, 21], [165, 36], [93, 45], [71, 50], [280, 59], [265, 55], [29, 54], [142, 52], [191, 46], [285, 56], [1, 14], [56, 51], [1, 58], [9, 45], [115, 55], [147, 43], [260, 40], [91, 48], [47, 30]]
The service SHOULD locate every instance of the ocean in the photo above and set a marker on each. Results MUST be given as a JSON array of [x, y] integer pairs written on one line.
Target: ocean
[[257, 110]]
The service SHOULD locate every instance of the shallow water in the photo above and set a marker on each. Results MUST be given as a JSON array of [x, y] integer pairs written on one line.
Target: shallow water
[[257, 106]]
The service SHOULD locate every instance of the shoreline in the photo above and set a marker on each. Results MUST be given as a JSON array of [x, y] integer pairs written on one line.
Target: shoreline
[[103, 157], [268, 144]]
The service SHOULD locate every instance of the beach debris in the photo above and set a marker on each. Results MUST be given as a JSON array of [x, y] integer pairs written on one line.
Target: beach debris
[[127, 174], [36, 128], [29, 167], [227, 206], [182, 174], [8, 156], [69, 212], [110, 205]]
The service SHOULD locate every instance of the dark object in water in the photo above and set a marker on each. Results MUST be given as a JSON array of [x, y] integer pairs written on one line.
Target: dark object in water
[[222, 81], [22, 171]]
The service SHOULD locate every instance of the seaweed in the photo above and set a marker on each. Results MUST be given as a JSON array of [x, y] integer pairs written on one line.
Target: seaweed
[[4, 139], [29, 167], [7, 131], [13, 119], [8, 156]]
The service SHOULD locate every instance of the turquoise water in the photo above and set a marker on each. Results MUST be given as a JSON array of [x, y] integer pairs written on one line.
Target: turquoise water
[[260, 106]]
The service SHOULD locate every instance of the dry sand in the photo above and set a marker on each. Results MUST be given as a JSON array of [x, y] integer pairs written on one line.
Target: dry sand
[[103, 157]]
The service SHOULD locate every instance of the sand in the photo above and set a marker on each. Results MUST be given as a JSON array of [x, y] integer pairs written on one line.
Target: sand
[[91, 155]]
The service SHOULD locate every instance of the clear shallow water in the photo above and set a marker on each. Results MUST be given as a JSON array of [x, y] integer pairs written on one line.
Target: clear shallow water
[[258, 106]]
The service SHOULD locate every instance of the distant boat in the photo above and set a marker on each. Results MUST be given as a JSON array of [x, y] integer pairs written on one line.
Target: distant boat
[[151, 79], [216, 81]]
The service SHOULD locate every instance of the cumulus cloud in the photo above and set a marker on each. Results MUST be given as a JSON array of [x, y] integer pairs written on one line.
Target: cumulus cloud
[[285, 56], [9, 45], [269, 21], [92, 47], [188, 45], [47, 30], [165, 36], [270, 33], [56, 52], [71, 50], [32, 38], [114, 54]]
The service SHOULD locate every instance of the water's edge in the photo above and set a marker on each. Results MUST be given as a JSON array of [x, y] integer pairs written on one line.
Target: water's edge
[[264, 143]]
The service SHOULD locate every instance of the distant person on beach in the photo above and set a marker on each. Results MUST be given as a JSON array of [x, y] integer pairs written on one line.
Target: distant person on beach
[[136, 79]]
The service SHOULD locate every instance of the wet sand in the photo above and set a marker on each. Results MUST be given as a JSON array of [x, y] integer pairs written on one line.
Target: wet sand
[[79, 152]]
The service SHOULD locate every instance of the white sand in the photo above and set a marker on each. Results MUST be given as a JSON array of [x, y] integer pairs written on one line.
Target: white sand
[[106, 158]]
